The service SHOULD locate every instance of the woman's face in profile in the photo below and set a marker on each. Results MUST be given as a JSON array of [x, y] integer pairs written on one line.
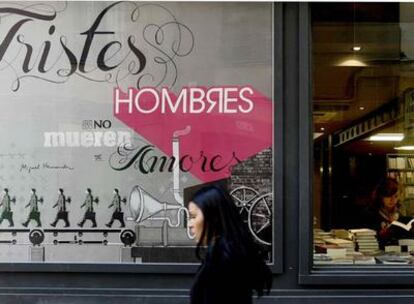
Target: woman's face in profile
[[390, 202], [196, 220]]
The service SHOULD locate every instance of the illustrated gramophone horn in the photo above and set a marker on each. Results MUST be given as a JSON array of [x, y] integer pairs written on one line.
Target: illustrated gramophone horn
[[143, 206]]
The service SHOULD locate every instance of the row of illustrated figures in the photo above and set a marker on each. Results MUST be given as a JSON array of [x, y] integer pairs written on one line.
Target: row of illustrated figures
[[62, 210]]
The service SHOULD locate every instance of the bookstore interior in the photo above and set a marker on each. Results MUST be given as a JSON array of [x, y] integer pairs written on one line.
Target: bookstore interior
[[363, 118]]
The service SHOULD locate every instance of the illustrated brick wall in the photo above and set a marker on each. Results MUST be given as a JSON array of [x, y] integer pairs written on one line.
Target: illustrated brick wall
[[255, 172]]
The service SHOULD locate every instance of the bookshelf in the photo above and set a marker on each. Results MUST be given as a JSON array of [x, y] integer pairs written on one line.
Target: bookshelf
[[401, 167]]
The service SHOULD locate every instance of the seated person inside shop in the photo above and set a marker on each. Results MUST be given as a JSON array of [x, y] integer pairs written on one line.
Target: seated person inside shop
[[384, 210]]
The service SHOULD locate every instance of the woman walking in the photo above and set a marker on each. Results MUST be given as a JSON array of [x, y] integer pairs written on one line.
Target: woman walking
[[232, 267]]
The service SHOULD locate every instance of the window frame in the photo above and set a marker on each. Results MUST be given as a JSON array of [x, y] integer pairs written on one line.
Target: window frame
[[330, 275]]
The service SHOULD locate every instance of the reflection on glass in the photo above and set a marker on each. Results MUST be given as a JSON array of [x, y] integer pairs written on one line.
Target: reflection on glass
[[363, 142]]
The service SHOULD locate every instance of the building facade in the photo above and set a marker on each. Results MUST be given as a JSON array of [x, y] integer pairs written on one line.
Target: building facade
[[115, 113]]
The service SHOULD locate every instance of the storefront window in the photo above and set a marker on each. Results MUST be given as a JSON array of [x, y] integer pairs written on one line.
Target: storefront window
[[363, 114], [114, 113]]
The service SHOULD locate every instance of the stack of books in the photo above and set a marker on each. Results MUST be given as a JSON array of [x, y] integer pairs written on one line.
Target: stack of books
[[331, 250], [348, 245], [392, 249], [407, 245], [323, 259], [319, 235], [366, 240], [364, 260], [342, 234]]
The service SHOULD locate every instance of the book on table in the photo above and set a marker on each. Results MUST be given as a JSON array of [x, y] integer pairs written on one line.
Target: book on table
[[393, 259], [364, 260], [406, 242], [331, 250], [363, 232], [406, 226]]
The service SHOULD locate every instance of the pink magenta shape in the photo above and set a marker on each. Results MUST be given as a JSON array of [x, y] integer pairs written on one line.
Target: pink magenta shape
[[213, 133]]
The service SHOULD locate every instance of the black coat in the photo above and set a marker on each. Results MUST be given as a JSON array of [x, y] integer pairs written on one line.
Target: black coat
[[222, 278], [371, 218]]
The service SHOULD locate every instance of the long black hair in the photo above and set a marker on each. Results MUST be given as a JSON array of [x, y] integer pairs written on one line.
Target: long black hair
[[222, 221]]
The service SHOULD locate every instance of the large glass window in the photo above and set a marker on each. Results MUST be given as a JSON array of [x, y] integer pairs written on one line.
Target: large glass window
[[114, 113], [363, 114]]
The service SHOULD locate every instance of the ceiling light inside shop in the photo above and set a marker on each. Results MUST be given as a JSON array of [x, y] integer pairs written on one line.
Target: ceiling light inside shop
[[407, 144], [405, 148], [316, 135], [387, 137], [352, 62]]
